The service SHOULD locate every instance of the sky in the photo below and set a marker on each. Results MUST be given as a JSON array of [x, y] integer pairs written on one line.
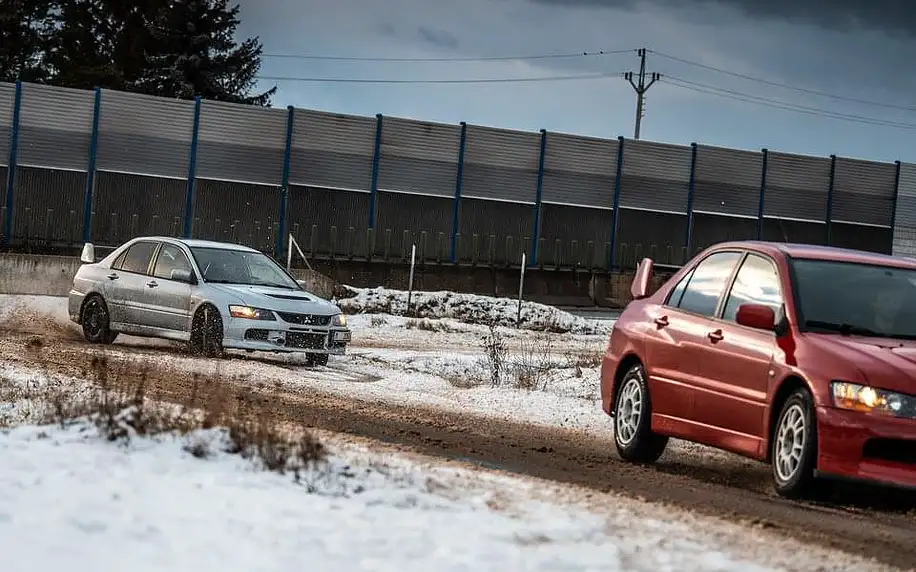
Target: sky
[[819, 77]]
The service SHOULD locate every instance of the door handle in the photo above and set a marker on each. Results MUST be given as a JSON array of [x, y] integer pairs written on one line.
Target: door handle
[[112, 276], [662, 321], [152, 284], [715, 336]]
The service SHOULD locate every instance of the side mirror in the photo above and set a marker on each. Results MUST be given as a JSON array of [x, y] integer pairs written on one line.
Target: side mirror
[[640, 287], [185, 276], [757, 316], [88, 254]]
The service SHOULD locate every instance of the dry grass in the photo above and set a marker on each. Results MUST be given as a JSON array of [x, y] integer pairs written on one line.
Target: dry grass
[[428, 325], [118, 403]]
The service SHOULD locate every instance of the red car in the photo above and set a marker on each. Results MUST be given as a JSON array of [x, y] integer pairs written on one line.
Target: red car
[[800, 356]]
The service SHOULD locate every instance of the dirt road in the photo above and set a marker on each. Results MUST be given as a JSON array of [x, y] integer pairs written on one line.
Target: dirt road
[[876, 524]]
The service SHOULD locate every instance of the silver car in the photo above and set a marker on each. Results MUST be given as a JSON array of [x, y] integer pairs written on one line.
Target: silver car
[[212, 295]]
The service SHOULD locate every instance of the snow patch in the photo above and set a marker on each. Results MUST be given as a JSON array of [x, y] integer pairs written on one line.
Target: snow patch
[[470, 308]]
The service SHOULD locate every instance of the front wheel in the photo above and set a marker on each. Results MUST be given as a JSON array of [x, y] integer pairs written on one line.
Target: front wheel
[[794, 446], [318, 360], [96, 320], [207, 333], [633, 435]]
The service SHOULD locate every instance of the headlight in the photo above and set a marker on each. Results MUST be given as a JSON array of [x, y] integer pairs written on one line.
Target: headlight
[[250, 313], [857, 397], [339, 320]]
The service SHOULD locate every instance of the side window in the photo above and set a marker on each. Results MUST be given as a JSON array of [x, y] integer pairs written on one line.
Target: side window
[[119, 261], [707, 283], [674, 297], [757, 282], [138, 257], [170, 258]]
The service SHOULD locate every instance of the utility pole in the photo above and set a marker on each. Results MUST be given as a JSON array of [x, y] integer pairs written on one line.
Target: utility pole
[[641, 87]]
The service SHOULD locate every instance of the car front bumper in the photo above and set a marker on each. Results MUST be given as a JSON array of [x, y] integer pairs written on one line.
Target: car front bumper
[[75, 305], [278, 336], [866, 447]]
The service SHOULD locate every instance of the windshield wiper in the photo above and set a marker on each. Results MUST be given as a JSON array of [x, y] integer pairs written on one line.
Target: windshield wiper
[[211, 281], [844, 329]]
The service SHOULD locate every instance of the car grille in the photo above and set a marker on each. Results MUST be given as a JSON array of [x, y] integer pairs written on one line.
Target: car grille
[[305, 319]]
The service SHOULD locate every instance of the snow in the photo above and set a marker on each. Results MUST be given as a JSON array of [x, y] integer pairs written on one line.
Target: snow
[[469, 308], [69, 498]]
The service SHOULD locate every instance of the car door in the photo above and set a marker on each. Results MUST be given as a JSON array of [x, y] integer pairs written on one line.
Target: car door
[[127, 282], [168, 301], [676, 334], [735, 360]]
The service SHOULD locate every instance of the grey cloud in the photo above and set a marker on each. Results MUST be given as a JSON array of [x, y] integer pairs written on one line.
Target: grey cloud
[[439, 38], [892, 16]]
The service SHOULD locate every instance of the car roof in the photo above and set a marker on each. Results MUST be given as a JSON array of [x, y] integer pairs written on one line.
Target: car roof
[[198, 243], [819, 252]]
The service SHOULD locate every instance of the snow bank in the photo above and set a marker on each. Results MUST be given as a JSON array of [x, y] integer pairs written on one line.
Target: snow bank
[[470, 308]]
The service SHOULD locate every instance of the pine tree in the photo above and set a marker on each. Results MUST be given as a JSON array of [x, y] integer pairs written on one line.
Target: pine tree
[[193, 52], [23, 26]]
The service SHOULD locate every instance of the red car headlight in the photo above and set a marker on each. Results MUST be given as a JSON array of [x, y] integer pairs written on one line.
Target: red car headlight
[[858, 397]]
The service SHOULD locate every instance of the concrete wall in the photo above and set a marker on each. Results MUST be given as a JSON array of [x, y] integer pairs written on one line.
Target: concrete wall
[[53, 276]]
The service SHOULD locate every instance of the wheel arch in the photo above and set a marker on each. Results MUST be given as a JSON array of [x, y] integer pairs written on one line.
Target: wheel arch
[[89, 296], [789, 385], [626, 363]]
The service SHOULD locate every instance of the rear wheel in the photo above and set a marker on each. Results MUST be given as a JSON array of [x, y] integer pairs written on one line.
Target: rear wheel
[[793, 445], [207, 332], [95, 321], [633, 435]]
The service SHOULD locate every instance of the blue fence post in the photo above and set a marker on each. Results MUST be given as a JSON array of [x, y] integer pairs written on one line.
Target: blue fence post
[[192, 173], [90, 172], [376, 160], [459, 177], [284, 182], [534, 254], [763, 189], [612, 255], [828, 231], [11, 165], [690, 187], [897, 164]]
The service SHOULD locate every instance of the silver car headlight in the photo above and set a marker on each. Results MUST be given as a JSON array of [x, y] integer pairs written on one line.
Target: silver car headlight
[[249, 313], [339, 320]]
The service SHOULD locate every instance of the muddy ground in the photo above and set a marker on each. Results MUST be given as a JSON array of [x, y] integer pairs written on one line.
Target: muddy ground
[[867, 521]]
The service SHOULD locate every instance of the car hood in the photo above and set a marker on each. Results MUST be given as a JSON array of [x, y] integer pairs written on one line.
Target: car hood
[[279, 299], [885, 363]]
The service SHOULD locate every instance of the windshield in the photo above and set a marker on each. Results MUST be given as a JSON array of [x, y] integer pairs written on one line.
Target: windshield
[[855, 299], [225, 266]]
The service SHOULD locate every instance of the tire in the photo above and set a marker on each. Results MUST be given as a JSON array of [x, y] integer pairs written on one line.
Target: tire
[[633, 435], [95, 321], [320, 360], [207, 333], [793, 447]]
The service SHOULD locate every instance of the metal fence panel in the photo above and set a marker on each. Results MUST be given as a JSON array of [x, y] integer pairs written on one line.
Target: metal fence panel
[[796, 186], [241, 143], [55, 127], [863, 191], [419, 157], [655, 176], [501, 164], [727, 181], [906, 196], [49, 205], [580, 170], [7, 99], [126, 206], [145, 135], [242, 213], [332, 151]]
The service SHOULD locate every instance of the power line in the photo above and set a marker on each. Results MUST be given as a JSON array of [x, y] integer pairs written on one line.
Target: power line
[[556, 56], [784, 85], [783, 105], [578, 77]]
